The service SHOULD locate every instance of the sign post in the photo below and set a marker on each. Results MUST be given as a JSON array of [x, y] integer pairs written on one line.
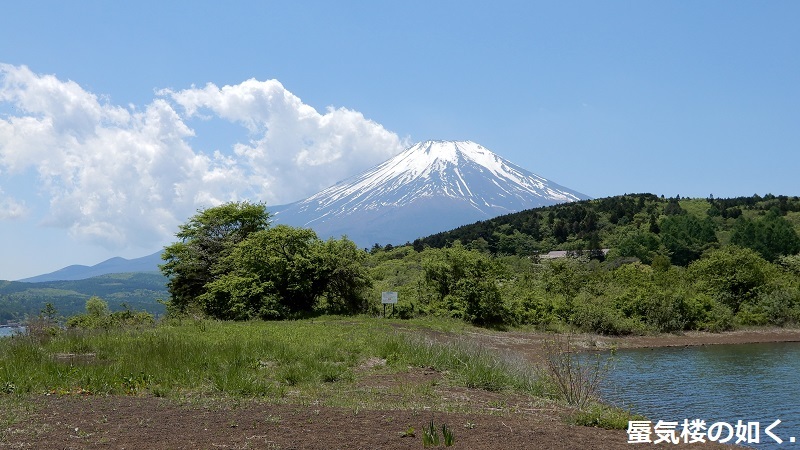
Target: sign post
[[388, 298]]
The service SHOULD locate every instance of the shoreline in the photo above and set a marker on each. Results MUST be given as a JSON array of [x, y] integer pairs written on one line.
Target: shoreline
[[531, 344], [481, 419], [699, 338]]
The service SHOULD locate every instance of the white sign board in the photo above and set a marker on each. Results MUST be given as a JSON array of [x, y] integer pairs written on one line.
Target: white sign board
[[388, 297]]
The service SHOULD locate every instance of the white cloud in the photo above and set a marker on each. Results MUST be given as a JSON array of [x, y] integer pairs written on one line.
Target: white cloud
[[294, 151], [126, 177], [11, 208]]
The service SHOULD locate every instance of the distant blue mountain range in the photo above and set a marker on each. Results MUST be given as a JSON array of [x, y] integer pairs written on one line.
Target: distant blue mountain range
[[147, 263]]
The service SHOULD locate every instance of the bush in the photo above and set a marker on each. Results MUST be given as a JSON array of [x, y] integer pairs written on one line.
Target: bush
[[597, 315], [576, 378], [538, 310], [404, 311], [779, 307], [667, 312], [466, 284], [99, 316], [710, 315], [732, 275]]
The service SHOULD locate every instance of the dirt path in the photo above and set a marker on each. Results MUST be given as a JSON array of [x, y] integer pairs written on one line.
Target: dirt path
[[149, 423]]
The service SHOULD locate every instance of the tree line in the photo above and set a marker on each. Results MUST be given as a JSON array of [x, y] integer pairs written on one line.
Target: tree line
[[674, 264], [644, 226]]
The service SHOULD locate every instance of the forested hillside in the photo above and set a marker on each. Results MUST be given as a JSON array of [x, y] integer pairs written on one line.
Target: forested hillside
[[139, 291], [672, 264], [639, 225]]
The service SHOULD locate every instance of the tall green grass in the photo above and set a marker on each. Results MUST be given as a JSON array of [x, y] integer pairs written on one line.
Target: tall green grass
[[243, 359]]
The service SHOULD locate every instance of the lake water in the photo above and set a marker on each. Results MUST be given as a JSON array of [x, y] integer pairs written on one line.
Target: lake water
[[716, 383], [8, 331]]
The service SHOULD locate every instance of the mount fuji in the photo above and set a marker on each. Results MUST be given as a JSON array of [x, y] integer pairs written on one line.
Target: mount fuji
[[432, 186]]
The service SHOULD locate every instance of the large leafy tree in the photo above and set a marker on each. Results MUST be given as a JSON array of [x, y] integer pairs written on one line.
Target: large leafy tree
[[342, 264], [205, 242], [283, 272], [467, 282], [272, 274], [232, 265]]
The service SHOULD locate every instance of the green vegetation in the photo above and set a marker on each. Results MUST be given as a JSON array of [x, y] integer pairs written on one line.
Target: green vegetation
[[98, 315], [726, 287], [430, 436], [672, 265], [231, 265], [319, 361], [140, 291], [190, 358], [765, 224]]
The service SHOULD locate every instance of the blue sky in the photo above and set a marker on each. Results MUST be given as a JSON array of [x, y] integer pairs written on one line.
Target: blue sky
[[111, 135]]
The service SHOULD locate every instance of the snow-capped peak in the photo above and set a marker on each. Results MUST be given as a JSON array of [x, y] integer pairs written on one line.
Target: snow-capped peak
[[475, 181]]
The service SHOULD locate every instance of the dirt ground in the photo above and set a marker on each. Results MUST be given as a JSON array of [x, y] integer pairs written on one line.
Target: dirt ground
[[497, 420]]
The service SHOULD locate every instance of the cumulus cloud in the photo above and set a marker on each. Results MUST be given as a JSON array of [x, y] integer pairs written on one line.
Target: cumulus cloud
[[294, 150], [127, 176]]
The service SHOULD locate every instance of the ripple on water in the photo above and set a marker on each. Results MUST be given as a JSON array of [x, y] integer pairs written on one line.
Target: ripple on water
[[748, 382]]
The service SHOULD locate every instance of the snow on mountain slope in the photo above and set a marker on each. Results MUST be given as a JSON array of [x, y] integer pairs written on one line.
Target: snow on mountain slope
[[432, 186]]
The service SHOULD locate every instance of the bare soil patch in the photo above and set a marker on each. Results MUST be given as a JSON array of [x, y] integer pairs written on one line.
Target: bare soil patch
[[77, 422]]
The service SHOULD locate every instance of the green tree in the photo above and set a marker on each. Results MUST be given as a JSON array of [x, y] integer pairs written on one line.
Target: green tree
[[515, 243], [49, 314], [283, 272], [466, 282], [790, 263], [271, 275], [771, 236], [97, 308], [674, 208], [97, 315], [732, 275], [686, 237], [346, 280], [200, 256], [637, 243]]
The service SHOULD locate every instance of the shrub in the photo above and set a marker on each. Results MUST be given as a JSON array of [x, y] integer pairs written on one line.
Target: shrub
[[597, 315], [576, 378], [778, 307], [99, 316], [732, 275], [711, 315]]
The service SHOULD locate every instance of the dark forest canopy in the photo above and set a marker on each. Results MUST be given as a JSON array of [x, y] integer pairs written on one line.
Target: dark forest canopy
[[638, 225]]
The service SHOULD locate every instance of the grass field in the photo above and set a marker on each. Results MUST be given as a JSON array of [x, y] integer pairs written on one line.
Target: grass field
[[339, 363], [193, 358]]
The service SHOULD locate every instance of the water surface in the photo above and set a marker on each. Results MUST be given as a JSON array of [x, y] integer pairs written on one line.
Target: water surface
[[748, 382], [8, 331]]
